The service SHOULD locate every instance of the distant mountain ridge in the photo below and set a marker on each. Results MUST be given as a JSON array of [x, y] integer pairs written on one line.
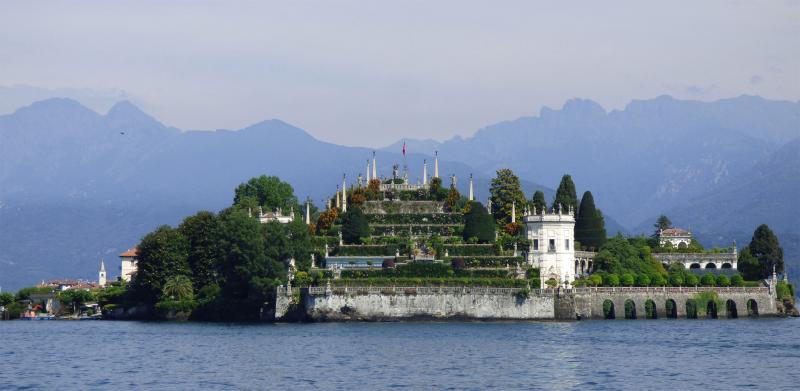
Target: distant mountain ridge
[[77, 186]]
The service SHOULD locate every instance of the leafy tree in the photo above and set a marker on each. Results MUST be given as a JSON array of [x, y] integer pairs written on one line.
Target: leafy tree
[[590, 228], [247, 275], [708, 279], [326, 220], [627, 256], [658, 280], [692, 279], [354, 226], [6, 298], [178, 288], [75, 297], [722, 280], [356, 197], [765, 248], [643, 280], [565, 195], [661, 224], [437, 193], [611, 279], [268, 192], [505, 191], [478, 224], [453, 196], [163, 253], [737, 280], [288, 241], [203, 234], [748, 265], [538, 202]]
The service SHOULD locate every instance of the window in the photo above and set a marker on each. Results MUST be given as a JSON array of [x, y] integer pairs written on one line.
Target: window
[[536, 244], [552, 245], [566, 245]]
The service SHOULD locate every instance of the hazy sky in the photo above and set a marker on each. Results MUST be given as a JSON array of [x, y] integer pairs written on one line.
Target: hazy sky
[[370, 72]]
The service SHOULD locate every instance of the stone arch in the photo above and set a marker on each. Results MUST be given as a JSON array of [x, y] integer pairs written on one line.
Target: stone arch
[[630, 309], [695, 266], [577, 265], [727, 265], [650, 311], [711, 265], [730, 309], [691, 309], [671, 309], [608, 309], [752, 308], [711, 309], [583, 266], [682, 245]]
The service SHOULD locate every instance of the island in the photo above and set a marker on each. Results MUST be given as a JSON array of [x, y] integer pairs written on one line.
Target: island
[[386, 249]]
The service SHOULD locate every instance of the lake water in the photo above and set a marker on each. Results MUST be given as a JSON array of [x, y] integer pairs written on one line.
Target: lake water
[[619, 354]]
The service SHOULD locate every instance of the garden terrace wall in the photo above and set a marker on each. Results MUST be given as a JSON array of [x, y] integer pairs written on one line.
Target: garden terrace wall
[[488, 261], [428, 218], [403, 207], [471, 249]]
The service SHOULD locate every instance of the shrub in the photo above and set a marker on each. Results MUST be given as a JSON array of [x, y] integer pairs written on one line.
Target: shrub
[[737, 280], [658, 280], [692, 280], [627, 279], [611, 279], [676, 279], [708, 280], [551, 282], [388, 264], [458, 263], [722, 280]]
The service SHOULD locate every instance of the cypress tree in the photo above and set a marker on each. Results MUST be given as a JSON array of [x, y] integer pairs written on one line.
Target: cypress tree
[[662, 223], [538, 201], [590, 228], [765, 248], [478, 223], [565, 195]]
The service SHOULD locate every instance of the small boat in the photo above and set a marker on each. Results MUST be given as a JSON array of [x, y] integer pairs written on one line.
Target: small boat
[[33, 315]]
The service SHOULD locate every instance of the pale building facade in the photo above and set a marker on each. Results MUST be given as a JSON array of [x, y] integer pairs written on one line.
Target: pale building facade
[[128, 264], [675, 237], [552, 236]]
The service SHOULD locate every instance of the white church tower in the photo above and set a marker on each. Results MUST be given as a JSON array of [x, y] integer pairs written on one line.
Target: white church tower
[[552, 235], [101, 276]]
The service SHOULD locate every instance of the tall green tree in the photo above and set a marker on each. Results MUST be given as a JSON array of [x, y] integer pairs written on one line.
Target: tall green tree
[[478, 223], [452, 200], [765, 248], [662, 223], [163, 253], [247, 276], [178, 288], [505, 190], [565, 195], [354, 226], [590, 228], [748, 265], [203, 234], [268, 192], [288, 241], [538, 201]]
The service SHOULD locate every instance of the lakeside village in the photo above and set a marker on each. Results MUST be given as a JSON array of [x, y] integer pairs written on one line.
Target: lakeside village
[[384, 248]]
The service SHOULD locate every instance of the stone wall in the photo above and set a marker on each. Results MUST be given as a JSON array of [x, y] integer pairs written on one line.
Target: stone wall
[[398, 303]]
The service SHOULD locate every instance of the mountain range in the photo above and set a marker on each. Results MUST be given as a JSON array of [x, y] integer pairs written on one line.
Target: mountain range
[[77, 186]]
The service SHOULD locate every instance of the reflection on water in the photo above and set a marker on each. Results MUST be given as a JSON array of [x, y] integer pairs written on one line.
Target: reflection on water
[[659, 354]]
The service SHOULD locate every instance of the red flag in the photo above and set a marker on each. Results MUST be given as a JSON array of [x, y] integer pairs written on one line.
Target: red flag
[[404, 148]]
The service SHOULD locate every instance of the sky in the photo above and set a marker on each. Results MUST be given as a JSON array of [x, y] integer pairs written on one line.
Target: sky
[[368, 73]]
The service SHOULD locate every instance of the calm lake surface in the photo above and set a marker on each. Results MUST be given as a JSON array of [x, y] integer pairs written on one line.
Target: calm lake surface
[[619, 354]]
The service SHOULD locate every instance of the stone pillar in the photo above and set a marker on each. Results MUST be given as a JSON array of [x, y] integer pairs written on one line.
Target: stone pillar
[[436, 165], [471, 196], [424, 172], [344, 193], [374, 167]]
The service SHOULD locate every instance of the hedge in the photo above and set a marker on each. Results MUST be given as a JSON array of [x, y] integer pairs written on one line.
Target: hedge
[[423, 229], [471, 249], [425, 218], [490, 261], [415, 270], [433, 281], [367, 250]]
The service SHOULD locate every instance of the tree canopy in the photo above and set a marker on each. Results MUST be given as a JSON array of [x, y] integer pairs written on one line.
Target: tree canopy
[[766, 249], [354, 226], [163, 254], [268, 192], [478, 223], [505, 191], [203, 233], [565, 195], [590, 230], [538, 201], [662, 223]]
